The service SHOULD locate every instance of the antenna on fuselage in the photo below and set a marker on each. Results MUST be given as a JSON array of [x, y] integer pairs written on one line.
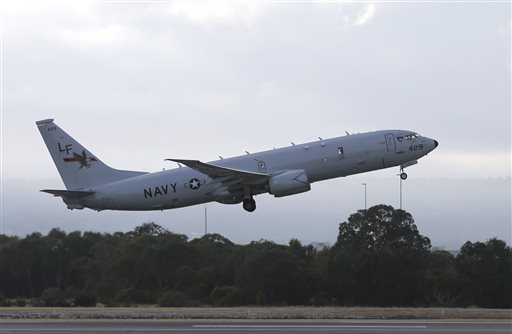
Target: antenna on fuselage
[[292, 143], [247, 152], [221, 158], [348, 134], [320, 138]]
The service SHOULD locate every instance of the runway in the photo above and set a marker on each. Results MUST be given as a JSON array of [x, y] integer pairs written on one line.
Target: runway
[[281, 327]]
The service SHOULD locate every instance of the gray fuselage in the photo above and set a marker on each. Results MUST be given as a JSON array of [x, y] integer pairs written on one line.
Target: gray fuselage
[[321, 160]]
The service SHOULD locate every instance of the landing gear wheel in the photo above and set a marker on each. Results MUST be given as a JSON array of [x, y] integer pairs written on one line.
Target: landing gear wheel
[[403, 176], [249, 204]]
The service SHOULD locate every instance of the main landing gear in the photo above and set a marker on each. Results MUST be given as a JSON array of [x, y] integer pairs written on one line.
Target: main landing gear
[[249, 204], [403, 175]]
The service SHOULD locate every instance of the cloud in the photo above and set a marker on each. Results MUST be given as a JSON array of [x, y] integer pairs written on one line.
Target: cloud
[[110, 35], [471, 164], [197, 79], [349, 15], [366, 15], [505, 28], [46, 7], [216, 12]]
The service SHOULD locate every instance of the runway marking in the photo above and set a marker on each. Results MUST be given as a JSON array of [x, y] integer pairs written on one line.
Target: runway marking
[[311, 326]]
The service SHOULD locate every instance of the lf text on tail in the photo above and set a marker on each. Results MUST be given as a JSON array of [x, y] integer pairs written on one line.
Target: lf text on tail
[[90, 183]]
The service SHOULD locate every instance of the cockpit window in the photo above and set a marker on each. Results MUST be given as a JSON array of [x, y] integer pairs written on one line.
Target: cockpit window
[[411, 136]]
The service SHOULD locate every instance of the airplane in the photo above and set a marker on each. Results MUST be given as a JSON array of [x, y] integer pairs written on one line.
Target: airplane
[[291, 170]]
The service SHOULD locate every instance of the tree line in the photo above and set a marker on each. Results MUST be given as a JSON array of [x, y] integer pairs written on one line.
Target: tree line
[[379, 259]]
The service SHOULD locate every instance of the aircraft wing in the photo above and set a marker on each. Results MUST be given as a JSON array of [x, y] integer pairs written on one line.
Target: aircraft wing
[[228, 176]]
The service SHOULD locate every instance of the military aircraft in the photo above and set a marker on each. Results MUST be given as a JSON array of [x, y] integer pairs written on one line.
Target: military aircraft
[[90, 183]]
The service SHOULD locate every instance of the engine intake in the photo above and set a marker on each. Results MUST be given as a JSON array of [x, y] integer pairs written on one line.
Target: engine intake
[[289, 183]]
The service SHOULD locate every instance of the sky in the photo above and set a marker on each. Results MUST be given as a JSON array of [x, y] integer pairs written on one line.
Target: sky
[[137, 82]]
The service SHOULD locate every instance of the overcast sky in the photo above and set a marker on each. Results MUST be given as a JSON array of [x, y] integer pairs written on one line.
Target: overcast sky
[[137, 82]]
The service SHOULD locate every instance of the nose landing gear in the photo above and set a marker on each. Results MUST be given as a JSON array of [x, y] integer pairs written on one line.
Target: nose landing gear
[[403, 175]]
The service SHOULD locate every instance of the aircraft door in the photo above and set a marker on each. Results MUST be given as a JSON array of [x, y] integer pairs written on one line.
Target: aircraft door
[[390, 142]]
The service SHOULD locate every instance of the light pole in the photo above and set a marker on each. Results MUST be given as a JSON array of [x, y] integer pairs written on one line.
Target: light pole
[[364, 184], [400, 191], [205, 220]]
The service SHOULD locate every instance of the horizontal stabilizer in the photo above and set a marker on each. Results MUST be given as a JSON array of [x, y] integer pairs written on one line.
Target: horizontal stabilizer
[[71, 194]]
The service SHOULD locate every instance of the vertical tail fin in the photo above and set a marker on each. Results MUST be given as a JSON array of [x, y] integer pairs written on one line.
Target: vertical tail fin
[[77, 166]]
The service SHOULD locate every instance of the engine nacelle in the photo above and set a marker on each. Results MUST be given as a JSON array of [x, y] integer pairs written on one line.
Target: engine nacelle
[[289, 183]]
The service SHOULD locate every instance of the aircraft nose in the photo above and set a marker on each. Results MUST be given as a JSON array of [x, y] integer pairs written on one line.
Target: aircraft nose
[[436, 143]]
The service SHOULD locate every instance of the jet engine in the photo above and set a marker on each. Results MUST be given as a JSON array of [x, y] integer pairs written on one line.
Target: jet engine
[[289, 183]]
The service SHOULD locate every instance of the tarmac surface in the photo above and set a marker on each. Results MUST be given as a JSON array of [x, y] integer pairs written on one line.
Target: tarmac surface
[[261, 326]]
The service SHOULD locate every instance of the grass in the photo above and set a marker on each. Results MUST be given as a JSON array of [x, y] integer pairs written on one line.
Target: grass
[[254, 313]]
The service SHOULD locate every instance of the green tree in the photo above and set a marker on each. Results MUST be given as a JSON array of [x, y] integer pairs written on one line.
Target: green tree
[[132, 296], [56, 258], [21, 261], [439, 284], [379, 259], [163, 257], [276, 272], [149, 229], [227, 296], [485, 273], [175, 299], [260, 299], [53, 297]]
